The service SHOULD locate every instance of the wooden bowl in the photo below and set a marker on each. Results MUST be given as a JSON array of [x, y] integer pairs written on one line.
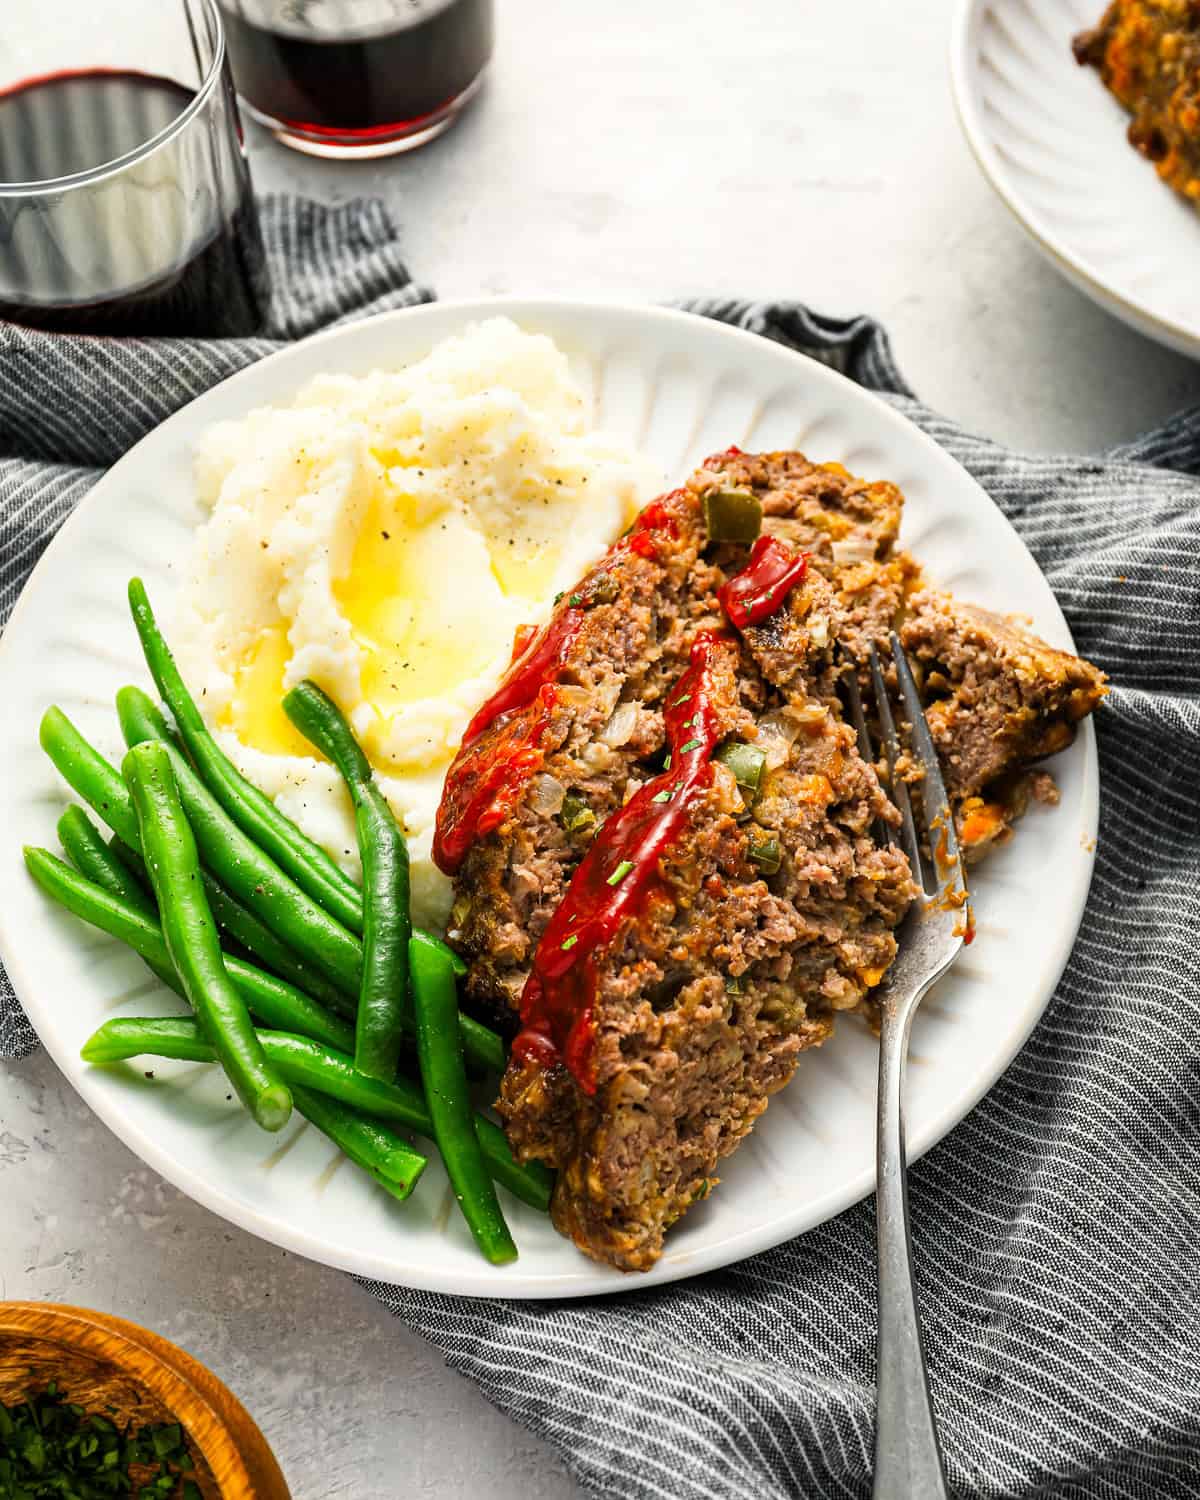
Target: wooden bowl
[[100, 1362]]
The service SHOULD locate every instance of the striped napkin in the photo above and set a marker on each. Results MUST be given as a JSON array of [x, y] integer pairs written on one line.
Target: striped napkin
[[1057, 1227]]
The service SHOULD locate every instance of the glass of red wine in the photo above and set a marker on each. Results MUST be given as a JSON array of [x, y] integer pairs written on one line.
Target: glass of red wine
[[354, 78], [125, 202]]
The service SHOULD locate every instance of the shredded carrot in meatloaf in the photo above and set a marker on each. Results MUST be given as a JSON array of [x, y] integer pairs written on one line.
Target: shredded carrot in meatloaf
[[1148, 54]]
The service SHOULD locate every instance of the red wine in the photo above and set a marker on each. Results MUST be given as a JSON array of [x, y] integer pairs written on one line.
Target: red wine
[[356, 70], [149, 248]]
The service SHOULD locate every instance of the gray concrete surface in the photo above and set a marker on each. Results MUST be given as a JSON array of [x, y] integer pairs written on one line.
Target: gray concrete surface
[[643, 151]]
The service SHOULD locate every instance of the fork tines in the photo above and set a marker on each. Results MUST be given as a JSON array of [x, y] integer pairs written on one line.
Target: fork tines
[[945, 880]]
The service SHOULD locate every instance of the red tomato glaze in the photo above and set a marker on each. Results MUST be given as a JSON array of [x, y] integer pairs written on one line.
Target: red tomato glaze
[[486, 779], [536, 660], [483, 785], [615, 878], [763, 584]]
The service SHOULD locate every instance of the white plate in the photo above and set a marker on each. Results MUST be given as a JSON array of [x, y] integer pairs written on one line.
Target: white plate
[[682, 387], [1051, 140]]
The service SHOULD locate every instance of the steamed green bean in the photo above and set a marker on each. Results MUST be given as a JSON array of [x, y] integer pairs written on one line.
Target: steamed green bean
[[190, 931], [255, 814], [328, 1071], [444, 1076], [370, 1144], [383, 991], [270, 1000]]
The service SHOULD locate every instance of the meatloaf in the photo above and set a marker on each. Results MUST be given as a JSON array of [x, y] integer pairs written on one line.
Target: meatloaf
[[662, 834], [1000, 700], [847, 526], [997, 700], [1148, 54], [760, 919]]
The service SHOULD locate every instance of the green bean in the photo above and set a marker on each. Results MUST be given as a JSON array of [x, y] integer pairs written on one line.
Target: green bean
[[252, 810], [270, 1000], [90, 775], [141, 720], [327, 1071], [99, 785], [93, 858], [457, 963], [152, 724], [177, 1037], [444, 1075], [259, 884], [383, 992], [87, 772], [369, 1144], [482, 1046], [131, 859], [261, 943], [191, 933]]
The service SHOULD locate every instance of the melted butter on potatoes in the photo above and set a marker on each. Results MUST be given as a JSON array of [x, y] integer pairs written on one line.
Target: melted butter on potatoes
[[385, 535]]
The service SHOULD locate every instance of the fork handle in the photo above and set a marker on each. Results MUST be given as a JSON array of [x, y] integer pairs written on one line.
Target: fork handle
[[908, 1461]]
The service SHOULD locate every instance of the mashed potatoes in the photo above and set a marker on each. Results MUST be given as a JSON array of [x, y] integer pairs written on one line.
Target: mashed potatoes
[[385, 536]]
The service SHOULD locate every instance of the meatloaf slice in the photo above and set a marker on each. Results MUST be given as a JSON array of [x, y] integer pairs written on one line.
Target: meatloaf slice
[[672, 934], [850, 528], [1147, 53], [634, 616], [998, 700], [758, 921], [709, 992]]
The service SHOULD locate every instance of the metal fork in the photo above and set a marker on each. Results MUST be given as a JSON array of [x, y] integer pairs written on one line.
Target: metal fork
[[908, 1460]]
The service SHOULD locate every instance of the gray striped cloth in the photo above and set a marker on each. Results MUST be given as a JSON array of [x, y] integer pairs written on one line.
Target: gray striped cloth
[[1058, 1227]]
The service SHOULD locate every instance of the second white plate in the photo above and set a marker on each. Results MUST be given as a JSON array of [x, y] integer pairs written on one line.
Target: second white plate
[[1051, 140], [681, 387]]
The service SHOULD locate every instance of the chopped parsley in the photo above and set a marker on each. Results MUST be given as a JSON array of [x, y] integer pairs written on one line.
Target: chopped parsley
[[51, 1446]]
